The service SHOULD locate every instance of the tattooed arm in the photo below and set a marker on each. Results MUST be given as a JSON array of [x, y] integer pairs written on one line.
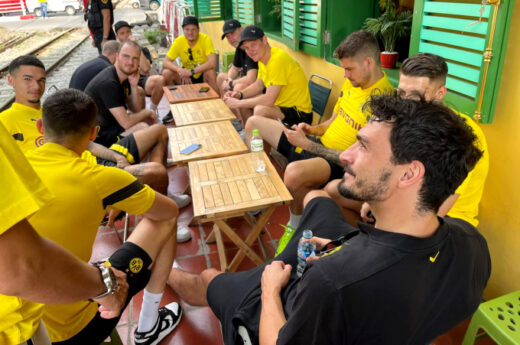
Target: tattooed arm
[[298, 138], [109, 155]]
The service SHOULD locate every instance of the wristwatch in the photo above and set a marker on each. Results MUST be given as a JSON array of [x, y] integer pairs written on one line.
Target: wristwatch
[[105, 37], [192, 71], [231, 84], [109, 279]]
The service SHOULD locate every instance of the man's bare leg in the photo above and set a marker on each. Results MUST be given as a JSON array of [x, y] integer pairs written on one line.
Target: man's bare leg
[[170, 77], [269, 112], [192, 287], [154, 88], [210, 77], [243, 113], [152, 173], [349, 208], [221, 78], [153, 141], [270, 130], [301, 177], [137, 127]]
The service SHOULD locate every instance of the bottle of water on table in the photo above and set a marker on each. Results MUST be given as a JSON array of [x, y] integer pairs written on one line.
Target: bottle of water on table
[[257, 146], [306, 248]]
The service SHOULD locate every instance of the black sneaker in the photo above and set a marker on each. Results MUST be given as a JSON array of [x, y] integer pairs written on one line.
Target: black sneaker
[[168, 118], [169, 317]]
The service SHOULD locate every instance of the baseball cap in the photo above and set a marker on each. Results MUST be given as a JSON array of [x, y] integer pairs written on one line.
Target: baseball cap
[[251, 33], [121, 24], [230, 26], [190, 20]]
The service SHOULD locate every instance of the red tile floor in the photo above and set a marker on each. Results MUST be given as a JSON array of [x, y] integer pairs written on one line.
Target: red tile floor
[[199, 326]]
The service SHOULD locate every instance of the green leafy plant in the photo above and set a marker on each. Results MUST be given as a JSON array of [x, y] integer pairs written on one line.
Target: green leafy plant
[[277, 8], [390, 26], [155, 36]]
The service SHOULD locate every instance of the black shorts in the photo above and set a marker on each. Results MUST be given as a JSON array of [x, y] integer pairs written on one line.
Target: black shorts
[[126, 147], [293, 116], [132, 260], [142, 81], [197, 80], [235, 297], [292, 154]]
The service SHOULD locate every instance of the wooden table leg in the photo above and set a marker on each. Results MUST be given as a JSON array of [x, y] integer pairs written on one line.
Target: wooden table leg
[[253, 235], [220, 248]]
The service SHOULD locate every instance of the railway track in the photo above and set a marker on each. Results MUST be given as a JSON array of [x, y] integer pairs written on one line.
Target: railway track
[[52, 52]]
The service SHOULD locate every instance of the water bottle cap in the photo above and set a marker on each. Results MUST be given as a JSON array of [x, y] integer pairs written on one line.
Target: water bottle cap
[[256, 132], [307, 234]]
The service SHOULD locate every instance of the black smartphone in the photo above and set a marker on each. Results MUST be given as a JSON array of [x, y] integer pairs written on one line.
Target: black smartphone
[[204, 89], [173, 87]]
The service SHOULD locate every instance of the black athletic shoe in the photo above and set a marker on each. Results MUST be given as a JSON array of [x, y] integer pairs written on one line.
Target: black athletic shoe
[[168, 118], [169, 317]]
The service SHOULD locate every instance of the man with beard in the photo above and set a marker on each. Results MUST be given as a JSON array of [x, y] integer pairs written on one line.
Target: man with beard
[[315, 161], [407, 280]]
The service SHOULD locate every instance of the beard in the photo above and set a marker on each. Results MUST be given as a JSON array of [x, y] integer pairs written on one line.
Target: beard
[[362, 190]]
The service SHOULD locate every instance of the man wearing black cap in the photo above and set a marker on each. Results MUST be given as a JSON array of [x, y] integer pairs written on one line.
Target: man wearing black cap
[[150, 85], [198, 57], [100, 16], [243, 70], [287, 95]]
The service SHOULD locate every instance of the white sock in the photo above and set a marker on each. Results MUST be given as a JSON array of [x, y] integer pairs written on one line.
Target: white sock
[[149, 311], [294, 219], [153, 106]]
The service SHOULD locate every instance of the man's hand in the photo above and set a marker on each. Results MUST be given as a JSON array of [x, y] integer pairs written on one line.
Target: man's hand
[[320, 242], [365, 208], [184, 73], [275, 277], [152, 117], [133, 79], [226, 85], [186, 81], [296, 137], [121, 161], [305, 127], [111, 305], [232, 102]]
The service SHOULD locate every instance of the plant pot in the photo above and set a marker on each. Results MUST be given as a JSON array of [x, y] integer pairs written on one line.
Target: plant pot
[[388, 59]]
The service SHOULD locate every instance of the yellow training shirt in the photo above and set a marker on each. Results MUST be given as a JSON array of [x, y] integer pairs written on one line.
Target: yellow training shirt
[[20, 122], [199, 52], [350, 118], [23, 193], [471, 189], [82, 192], [283, 70]]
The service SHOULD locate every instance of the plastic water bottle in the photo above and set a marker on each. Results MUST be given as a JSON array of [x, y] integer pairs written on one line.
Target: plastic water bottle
[[306, 248], [257, 146]]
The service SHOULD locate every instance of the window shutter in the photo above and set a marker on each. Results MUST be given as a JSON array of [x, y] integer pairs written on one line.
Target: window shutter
[[244, 11], [310, 26], [471, 36], [290, 27], [207, 10]]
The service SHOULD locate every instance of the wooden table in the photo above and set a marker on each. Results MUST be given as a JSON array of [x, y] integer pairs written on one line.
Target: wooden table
[[189, 93], [217, 139], [201, 112], [228, 187]]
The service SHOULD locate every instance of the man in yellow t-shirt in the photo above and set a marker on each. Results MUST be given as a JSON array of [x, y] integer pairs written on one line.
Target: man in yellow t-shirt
[[286, 96], [315, 162], [424, 76], [198, 57], [34, 269], [83, 192]]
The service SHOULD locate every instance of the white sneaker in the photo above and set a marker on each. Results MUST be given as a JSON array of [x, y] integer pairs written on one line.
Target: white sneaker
[[169, 317], [182, 200], [183, 233]]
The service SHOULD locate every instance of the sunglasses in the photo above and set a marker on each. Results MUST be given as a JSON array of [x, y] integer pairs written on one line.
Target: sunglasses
[[191, 54]]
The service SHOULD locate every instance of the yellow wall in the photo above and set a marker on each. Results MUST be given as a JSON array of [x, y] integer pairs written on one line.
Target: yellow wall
[[500, 205]]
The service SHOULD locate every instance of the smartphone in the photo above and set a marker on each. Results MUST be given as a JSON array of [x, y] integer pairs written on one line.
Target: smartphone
[[204, 89], [172, 88], [189, 149]]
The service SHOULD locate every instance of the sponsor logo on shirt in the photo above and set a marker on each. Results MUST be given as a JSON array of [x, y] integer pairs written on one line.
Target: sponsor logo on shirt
[[433, 258], [350, 121]]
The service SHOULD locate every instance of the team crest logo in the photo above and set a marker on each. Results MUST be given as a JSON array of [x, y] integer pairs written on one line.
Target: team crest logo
[[39, 141], [136, 264], [104, 1]]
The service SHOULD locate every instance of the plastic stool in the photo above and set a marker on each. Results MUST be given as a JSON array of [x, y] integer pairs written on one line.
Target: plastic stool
[[227, 60], [114, 339], [499, 318]]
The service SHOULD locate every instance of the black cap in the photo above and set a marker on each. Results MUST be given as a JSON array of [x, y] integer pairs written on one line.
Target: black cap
[[251, 33], [121, 24], [230, 26], [190, 20]]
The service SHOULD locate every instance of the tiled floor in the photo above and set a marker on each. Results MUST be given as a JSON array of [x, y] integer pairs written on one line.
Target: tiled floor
[[199, 325]]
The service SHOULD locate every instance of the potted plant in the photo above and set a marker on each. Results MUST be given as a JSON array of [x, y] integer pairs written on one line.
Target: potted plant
[[390, 26]]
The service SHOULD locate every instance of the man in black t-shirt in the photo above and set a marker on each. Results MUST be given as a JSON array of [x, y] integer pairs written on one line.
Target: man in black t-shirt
[[243, 70], [150, 85], [407, 280], [100, 16], [87, 71]]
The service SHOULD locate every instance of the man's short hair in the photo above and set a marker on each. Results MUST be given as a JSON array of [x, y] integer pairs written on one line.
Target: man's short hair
[[129, 42], [25, 60], [68, 113], [428, 65], [111, 47], [358, 42], [433, 134]]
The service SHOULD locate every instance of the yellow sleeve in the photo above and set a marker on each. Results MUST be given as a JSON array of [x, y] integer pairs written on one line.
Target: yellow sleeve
[[23, 193]]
